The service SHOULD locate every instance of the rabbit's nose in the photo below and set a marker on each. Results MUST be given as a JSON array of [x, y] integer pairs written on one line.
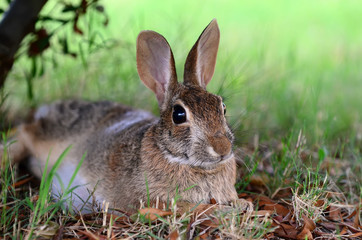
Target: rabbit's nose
[[220, 143]]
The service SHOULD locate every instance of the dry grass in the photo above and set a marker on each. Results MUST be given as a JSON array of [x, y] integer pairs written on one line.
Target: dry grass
[[315, 207]]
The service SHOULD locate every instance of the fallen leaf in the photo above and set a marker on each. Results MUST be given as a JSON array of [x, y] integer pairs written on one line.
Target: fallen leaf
[[204, 236], [91, 235], [21, 182], [304, 234], [211, 223], [356, 222], [355, 235], [335, 213], [319, 203], [173, 235], [243, 195], [329, 226], [279, 209], [257, 184], [213, 201], [308, 223], [198, 208], [153, 213], [278, 218], [350, 227], [344, 231], [286, 231], [282, 193]]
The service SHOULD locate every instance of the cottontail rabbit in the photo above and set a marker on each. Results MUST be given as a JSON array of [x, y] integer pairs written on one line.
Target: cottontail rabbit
[[133, 155]]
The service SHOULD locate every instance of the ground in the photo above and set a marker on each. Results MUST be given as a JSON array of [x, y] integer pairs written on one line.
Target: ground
[[290, 75]]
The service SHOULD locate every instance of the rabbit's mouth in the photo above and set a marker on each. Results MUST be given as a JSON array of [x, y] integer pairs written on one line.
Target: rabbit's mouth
[[227, 157], [211, 163]]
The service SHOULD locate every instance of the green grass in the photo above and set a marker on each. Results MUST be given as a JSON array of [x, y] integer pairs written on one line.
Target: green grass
[[282, 65], [35, 212], [290, 73]]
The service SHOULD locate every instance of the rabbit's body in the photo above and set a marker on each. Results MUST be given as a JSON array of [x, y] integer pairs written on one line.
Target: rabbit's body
[[102, 130], [130, 154]]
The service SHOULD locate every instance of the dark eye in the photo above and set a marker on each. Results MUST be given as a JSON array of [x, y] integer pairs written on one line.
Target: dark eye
[[179, 114], [224, 107]]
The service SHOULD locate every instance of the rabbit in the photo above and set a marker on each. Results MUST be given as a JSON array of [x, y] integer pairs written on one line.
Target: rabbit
[[131, 155]]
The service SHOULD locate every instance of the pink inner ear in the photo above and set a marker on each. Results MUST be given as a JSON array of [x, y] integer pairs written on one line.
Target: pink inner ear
[[207, 52], [200, 62], [155, 63], [159, 63]]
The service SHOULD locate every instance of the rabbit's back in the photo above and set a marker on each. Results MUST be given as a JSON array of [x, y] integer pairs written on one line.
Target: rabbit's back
[[109, 133], [87, 125], [64, 119]]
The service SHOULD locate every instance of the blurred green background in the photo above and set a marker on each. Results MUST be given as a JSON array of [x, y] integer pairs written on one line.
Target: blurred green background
[[283, 66]]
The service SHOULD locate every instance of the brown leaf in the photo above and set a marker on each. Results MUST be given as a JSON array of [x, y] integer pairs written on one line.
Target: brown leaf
[[89, 235], [319, 203], [335, 213], [350, 227], [76, 29], [329, 226], [289, 217], [308, 223], [356, 235], [344, 231], [243, 195], [286, 231], [279, 209], [204, 236], [261, 198], [211, 223], [173, 235], [153, 213], [305, 233], [21, 182], [213, 201], [278, 218], [356, 222], [320, 233], [257, 184], [40, 43], [197, 208], [282, 193]]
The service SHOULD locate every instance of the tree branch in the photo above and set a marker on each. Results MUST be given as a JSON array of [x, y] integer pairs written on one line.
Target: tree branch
[[17, 22]]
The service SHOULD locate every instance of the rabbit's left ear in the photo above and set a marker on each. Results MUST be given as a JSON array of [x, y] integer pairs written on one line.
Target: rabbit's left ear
[[155, 64], [200, 63]]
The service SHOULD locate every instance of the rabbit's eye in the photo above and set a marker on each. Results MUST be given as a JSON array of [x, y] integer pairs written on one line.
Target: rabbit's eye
[[224, 107], [179, 114]]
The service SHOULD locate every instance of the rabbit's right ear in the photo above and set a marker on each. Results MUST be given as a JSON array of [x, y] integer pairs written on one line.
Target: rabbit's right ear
[[155, 63], [200, 63]]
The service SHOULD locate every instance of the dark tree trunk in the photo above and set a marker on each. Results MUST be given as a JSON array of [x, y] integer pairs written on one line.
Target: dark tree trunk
[[17, 22]]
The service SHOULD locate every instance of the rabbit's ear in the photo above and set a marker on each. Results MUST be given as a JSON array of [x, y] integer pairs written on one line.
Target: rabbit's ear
[[155, 63], [200, 63]]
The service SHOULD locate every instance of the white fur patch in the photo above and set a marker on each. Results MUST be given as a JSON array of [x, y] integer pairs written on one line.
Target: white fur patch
[[173, 159], [212, 152], [194, 162], [81, 194], [42, 112], [130, 119]]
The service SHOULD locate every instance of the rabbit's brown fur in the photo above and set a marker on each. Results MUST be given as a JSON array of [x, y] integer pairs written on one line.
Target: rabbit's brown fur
[[129, 150]]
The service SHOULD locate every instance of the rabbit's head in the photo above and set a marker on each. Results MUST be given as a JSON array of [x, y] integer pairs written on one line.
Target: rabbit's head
[[192, 128]]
